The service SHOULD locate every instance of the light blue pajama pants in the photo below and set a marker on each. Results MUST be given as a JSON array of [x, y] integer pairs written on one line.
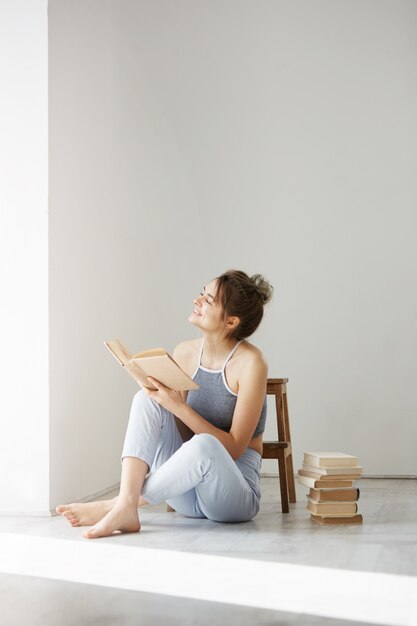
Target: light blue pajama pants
[[197, 478]]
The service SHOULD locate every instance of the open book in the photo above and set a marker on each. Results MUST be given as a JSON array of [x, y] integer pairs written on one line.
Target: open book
[[156, 363]]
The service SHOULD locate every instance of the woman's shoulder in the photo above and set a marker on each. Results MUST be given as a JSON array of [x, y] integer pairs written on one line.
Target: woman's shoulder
[[250, 351], [251, 355], [187, 351]]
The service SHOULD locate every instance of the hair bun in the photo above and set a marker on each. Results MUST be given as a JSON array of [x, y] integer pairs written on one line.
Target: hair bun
[[263, 287]]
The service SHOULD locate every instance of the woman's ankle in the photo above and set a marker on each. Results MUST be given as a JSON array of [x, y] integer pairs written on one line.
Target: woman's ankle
[[127, 502]]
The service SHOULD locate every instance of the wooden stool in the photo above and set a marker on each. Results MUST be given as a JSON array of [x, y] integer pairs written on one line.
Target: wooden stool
[[281, 449]]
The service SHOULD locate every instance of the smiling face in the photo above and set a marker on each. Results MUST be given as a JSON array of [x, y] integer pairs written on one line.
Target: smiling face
[[208, 313]]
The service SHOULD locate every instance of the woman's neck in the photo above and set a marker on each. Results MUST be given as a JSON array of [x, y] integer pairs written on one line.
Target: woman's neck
[[217, 347]]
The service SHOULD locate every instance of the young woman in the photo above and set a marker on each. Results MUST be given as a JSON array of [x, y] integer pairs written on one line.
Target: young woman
[[199, 451]]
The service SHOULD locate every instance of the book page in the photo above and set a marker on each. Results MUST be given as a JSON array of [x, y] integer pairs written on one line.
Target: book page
[[146, 353], [167, 371], [118, 351], [139, 375]]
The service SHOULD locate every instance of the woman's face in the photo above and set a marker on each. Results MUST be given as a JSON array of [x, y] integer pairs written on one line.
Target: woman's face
[[207, 313]]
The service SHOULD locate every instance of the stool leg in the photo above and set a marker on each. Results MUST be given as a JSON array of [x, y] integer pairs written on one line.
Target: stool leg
[[291, 480], [288, 459], [283, 484]]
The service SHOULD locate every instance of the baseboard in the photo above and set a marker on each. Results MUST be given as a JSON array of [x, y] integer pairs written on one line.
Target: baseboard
[[393, 476], [93, 496], [100, 494]]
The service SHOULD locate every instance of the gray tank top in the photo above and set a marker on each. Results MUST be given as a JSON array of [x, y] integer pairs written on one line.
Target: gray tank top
[[214, 400]]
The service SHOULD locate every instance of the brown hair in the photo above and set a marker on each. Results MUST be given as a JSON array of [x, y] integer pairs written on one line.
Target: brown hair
[[243, 296]]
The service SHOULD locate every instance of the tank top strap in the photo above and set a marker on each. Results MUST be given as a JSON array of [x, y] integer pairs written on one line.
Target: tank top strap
[[231, 353], [199, 360], [201, 353]]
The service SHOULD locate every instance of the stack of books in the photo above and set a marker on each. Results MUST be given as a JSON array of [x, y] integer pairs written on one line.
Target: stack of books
[[332, 498]]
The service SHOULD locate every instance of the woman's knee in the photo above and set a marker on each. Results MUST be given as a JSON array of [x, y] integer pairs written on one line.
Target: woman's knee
[[143, 402], [233, 519], [227, 516], [205, 445]]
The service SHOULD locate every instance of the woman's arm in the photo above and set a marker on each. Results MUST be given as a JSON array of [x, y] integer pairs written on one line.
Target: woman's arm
[[181, 355], [252, 388]]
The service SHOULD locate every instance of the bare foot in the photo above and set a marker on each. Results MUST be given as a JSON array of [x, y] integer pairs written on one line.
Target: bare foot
[[85, 514], [122, 518]]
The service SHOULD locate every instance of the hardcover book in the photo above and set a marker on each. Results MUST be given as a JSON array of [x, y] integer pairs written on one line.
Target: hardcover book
[[324, 521], [323, 484], [156, 363], [330, 459], [326, 477], [332, 509], [334, 495], [332, 471]]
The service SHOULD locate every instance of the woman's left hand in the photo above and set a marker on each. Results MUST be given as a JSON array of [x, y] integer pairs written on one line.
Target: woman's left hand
[[169, 399]]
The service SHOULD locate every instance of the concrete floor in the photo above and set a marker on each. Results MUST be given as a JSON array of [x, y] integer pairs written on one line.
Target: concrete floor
[[276, 569]]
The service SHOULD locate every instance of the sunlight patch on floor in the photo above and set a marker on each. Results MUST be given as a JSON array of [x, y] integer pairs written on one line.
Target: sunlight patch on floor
[[339, 594]]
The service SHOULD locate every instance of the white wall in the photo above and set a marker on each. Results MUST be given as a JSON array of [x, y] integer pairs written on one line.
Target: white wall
[[24, 447], [188, 137]]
